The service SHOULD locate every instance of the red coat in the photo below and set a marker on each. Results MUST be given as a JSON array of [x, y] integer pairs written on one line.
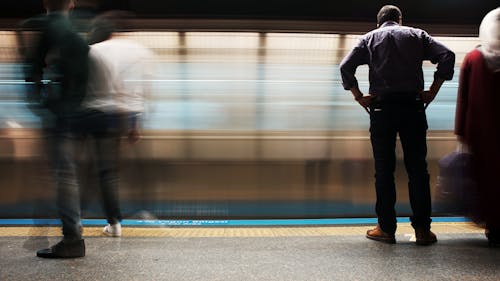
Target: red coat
[[477, 122]]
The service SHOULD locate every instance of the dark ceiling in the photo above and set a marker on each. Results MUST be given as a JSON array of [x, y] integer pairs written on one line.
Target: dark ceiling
[[424, 11]]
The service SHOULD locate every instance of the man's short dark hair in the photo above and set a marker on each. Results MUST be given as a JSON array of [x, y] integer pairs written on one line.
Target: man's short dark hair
[[102, 28], [388, 13]]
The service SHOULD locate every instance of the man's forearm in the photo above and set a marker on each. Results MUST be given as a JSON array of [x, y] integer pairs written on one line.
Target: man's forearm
[[436, 85], [356, 93], [429, 95]]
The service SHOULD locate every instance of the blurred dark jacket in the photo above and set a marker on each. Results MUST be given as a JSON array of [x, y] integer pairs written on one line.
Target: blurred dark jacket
[[61, 56]]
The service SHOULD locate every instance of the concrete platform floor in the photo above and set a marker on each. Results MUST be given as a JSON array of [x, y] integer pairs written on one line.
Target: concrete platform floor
[[307, 253]]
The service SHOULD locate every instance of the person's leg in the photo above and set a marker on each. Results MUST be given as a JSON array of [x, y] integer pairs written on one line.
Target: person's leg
[[383, 139], [107, 148], [413, 140], [68, 193], [68, 197], [489, 184]]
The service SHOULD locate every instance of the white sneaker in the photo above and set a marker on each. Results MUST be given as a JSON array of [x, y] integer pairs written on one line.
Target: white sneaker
[[114, 230]]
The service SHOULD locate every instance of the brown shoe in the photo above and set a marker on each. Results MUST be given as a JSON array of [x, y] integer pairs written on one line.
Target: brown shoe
[[378, 234], [425, 237]]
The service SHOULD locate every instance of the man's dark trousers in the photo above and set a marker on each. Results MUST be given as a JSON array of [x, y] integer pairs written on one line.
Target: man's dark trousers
[[391, 114]]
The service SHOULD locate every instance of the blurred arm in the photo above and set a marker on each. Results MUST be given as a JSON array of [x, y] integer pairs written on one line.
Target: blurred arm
[[438, 54]]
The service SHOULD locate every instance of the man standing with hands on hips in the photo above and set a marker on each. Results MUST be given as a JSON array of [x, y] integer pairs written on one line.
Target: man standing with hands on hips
[[396, 103]]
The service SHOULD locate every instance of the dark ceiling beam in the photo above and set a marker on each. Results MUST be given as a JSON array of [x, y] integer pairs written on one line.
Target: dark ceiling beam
[[242, 25]]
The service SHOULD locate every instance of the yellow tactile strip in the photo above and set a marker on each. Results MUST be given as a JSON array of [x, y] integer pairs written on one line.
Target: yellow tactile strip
[[185, 232]]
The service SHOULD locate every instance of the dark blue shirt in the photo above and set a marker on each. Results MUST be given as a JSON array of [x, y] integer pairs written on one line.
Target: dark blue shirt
[[394, 55]]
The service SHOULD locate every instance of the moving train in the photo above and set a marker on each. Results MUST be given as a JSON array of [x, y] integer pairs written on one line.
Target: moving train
[[240, 122]]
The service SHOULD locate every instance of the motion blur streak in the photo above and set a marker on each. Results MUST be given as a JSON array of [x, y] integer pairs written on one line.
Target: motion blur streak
[[237, 124]]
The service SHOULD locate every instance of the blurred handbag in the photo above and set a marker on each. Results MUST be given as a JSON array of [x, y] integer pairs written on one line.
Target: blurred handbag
[[455, 188]]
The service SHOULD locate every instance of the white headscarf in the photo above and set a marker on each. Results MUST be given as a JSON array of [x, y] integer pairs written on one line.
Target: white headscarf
[[489, 34]]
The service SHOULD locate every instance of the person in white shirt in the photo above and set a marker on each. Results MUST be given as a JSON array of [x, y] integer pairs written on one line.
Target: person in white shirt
[[114, 103]]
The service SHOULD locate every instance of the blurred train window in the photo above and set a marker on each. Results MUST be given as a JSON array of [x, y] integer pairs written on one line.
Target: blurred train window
[[8, 47], [243, 81], [460, 45], [164, 44], [307, 48], [222, 40], [222, 46]]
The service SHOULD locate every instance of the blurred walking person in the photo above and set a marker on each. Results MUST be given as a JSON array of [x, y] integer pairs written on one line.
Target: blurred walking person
[[61, 56], [396, 104], [113, 105], [477, 123]]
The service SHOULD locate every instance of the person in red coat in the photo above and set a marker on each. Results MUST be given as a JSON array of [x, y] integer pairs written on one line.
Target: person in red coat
[[477, 122]]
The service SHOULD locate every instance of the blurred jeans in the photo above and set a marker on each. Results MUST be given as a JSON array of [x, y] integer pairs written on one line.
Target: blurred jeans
[[63, 143], [103, 132]]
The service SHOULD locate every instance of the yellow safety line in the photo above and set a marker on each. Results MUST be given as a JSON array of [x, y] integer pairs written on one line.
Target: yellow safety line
[[186, 232]]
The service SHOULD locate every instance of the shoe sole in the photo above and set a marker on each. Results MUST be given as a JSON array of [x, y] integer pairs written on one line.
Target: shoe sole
[[59, 257], [383, 240]]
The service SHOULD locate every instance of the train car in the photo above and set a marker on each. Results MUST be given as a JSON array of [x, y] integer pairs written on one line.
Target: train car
[[246, 118]]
